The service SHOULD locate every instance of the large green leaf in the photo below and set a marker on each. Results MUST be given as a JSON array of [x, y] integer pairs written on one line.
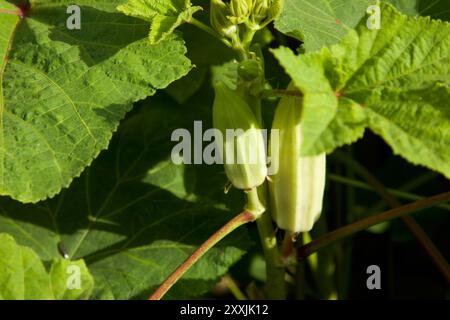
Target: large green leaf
[[64, 91], [320, 22], [203, 51], [325, 22], [23, 275], [394, 80], [408, 7], [134, 216], [165, 15]]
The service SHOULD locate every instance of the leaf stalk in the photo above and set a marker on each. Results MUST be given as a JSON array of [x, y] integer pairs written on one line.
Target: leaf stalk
[[366, 223], [233, 224]]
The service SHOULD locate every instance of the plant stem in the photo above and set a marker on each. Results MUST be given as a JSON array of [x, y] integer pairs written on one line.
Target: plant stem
[[254, 204], [275, 271], [288, 252], [300, 281], [438, 259], [363, 224], [209, 30], [241, 219], [300, 268], [255, 104], [281, 93], [275, 285], [287, 247], [420, 235], [248, 38], [13, 12], [395, 192], [234, 288]]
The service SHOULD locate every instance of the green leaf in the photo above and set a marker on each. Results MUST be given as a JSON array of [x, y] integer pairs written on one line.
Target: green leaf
[[394, 80], [204, 51], [325, 22], [22, 273], [320, 22], [60, 273], [135, 216], [165, 15], [408, 7], [63, 92], [24, 277]]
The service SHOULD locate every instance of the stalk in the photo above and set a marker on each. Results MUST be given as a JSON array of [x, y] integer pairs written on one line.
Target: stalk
[[395, 192], [275, 284], [209, 31], [241, 219], [257, 199], [420, 235], [366, 223], [275, 271], [234, 288]]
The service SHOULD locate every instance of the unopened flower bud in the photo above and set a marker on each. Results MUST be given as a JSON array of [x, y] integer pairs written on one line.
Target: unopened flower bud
[[219, 18], [275, 9], [240, 10], [260, 9], [265, 11], [249, 70]]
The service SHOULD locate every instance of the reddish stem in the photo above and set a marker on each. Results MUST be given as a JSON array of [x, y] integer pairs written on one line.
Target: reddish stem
[[241, 219], [294, 93], [21, 11], [288, 248], [13, 12], [24, 9], [363, 224], [420, 235]]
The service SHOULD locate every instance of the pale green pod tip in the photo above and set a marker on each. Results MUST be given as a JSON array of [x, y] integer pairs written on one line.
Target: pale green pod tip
[[243, 150], [298, 182]]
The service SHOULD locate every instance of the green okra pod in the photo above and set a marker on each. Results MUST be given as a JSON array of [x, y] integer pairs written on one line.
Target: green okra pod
[[298, 182], [243, 150]]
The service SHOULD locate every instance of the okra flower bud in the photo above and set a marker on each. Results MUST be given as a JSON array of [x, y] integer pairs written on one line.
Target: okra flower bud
[[250, 70], [298, 184], [243, 149], [265, 11], [240, 10], [260, 8], [220, 13], [275, 9]]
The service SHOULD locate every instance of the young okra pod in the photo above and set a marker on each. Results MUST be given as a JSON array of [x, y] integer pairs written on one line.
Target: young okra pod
[[298, 183], [243, 150]]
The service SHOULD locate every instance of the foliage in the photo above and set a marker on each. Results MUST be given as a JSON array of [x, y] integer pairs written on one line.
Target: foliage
[[86, 118]]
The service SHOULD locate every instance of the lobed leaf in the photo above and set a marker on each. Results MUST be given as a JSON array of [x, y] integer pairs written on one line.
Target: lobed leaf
[[164, 15], [320, 22], [63, 92], [394, 80], [325, 22], [135, 216]]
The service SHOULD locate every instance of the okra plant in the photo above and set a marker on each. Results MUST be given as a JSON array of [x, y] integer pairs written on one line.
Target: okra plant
[[222, 149]]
